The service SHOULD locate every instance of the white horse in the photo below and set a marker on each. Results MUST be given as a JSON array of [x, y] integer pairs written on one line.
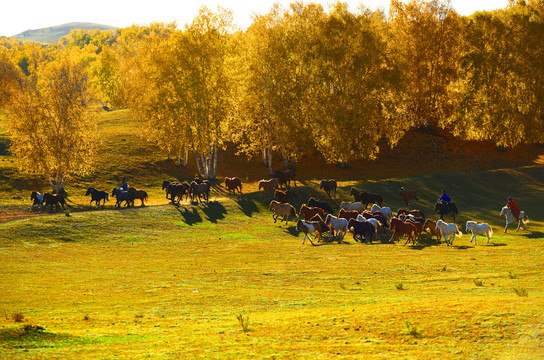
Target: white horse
[[386, 211], [337, 225], [358, 206], [509, 215], [448, 229], [477, 229]]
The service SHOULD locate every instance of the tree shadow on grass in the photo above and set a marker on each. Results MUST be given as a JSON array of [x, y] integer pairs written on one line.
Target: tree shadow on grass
[[247, 206], [214, 210], [190, 216]]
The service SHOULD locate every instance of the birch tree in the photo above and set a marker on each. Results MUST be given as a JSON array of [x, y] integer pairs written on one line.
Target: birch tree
[[51, 128]]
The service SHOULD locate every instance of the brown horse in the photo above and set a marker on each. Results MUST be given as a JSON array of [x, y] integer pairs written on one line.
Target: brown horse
[[281, 209], [134, 194], [329, 186], [416, 213], [176, 189], [52, 199], [268, 185], [400, 227], [348, 214], [286, 196], [409, 196], [430, 225], [232, 184], [309, 212], [365, 197]]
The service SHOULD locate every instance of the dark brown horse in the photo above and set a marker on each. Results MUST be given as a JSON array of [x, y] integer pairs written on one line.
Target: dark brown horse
[[285, 177], [176, 189], [329, 186], [232, 184], [310, 212], [52, 199], [365, 197], [134, 194], [286, 196]]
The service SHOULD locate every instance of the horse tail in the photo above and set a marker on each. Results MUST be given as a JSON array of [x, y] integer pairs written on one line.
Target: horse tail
[[454, 208], [458, 233], [490, 231], [525, 218]]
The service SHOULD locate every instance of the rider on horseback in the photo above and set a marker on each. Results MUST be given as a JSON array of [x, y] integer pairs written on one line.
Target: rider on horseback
[[511, 204], [123, 186], [445, 199]]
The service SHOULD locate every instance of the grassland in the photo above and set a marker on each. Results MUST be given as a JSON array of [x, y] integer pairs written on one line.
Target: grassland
[[169, 282]]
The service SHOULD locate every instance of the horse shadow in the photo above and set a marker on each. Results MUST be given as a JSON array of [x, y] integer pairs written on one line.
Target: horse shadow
[[214, 211], [292, 230], [534, 235], [247, 206], [190, 217]]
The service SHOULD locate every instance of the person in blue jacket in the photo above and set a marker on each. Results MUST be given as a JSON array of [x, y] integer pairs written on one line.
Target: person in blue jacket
[[445, 199]]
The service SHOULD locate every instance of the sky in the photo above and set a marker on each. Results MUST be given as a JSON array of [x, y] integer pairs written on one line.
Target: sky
[[18, 16]]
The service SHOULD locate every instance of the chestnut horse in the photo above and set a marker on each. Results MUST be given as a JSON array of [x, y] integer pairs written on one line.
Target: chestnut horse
[[268, 185], [281, 209], [400, 227], [309, 212], [232, 184], [365, 197]]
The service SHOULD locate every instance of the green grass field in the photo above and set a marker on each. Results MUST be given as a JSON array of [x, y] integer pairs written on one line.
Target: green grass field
[[172, 282]]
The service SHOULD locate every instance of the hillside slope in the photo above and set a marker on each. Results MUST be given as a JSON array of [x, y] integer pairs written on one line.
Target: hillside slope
[[54, 33]]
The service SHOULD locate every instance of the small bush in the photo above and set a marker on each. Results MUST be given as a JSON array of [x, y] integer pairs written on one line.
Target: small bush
[[521, 291], [478, 282], [411, 329], [244, 321], [445, 268], [512, 275], [400, 286], [18, 317]]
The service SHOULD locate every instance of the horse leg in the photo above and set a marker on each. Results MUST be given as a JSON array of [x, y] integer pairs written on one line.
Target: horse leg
[[275, 218]]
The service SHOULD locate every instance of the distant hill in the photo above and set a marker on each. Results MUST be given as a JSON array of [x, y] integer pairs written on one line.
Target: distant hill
[[54, 33]]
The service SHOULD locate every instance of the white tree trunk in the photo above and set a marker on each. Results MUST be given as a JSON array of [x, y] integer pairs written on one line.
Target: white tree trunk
[[270, 162], [178, 161], [185, 157], [205, 166], [196, 159], [215, 158]]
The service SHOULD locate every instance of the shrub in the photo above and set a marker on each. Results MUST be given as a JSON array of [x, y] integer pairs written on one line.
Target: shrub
[[521, 291], [244, 321], [400, 286], [478, 282], [411, 329], [18, 317]]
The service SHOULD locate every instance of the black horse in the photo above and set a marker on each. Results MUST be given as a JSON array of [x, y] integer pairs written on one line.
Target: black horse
[[313, 202], [97, 196], [121, 196], [445, 208], [52, 199]]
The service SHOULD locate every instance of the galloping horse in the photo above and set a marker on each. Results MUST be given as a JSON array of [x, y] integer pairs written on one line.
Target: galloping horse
[[282, 209], [329, 186], [232, 184], [200, 189], [97, 196], [443, 209], [285, 177], [37, 200], [365, 197], [409, 196], [176, 189], [510, 218], [476, 229], [268, 185], [286, 196], [120, 196], [52, 199], [134, 194], [448, 229]]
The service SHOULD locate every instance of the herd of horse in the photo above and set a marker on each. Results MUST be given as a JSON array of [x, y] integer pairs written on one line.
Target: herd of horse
[[317, 215]]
